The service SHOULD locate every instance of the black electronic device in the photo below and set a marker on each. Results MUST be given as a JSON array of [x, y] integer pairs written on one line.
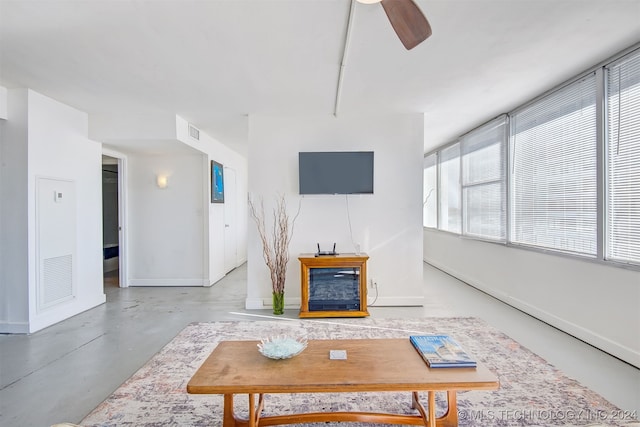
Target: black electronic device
[[337, 172], [326, 253]]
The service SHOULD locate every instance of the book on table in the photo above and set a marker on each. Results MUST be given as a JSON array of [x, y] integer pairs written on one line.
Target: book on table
[[441, 351]]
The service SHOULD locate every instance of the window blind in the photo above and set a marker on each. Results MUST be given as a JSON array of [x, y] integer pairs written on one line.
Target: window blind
[[553, 171], [623, 160], [450, 217], [484, 181], [430, 191]]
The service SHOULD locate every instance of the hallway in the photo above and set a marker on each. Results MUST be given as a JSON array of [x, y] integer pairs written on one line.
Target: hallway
[[63, 372]]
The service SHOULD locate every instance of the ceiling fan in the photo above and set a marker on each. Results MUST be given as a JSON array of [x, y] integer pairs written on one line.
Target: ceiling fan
[[407, 20]]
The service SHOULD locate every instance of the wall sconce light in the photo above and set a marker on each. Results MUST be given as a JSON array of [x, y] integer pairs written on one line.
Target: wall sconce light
[[162, 181]]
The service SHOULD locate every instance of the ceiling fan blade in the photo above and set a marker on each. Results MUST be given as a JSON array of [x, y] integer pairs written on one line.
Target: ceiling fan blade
[[408, 21]]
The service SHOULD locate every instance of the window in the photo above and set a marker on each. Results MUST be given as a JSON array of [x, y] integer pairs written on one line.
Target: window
[[554, 171], [561, 173], [450, 210], [623, 160], [484, 181], [430, 191]]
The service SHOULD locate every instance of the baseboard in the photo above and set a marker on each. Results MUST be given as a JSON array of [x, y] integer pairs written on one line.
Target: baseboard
[[294, 302], [214, 280], [414, 301], [254, 304], [14, 327], [168, 282], [58, 314], [51, 316], [603, 343], [264, 303]]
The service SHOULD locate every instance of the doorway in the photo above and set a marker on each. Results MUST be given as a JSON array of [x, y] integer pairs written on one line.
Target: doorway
[[114, 240], [110, 223]]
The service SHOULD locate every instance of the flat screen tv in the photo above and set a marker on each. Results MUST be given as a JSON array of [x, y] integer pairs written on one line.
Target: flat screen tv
[[336, 172]]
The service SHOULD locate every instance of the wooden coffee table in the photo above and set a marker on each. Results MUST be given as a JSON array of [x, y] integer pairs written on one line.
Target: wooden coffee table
[[372, 365]]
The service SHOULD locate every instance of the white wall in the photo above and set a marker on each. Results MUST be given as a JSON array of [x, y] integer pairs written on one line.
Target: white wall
[[116, 126], [54, 138], [166, 226], [14, 261], [3, 298], [3, 286], [153, 142], [3, 103], [594, 302], [44, 138], [216, 221], [386, 224]]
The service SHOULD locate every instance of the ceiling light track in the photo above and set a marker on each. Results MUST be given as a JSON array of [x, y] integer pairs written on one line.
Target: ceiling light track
[[343, 64]]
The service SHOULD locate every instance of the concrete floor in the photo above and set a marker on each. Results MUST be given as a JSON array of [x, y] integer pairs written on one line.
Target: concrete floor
[[63, 372]]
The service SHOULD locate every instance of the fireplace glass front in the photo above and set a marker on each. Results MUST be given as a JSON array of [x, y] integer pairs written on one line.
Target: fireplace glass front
[[334, 289]]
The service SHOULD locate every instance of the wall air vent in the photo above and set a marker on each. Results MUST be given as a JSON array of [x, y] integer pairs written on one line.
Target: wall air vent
[[194, 132], [58, 280], [55, 242]]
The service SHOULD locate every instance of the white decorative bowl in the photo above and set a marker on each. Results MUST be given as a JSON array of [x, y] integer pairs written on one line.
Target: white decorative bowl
[[282, 347]]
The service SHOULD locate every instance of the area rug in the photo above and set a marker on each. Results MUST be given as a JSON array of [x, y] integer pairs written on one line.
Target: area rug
[[532, 392]]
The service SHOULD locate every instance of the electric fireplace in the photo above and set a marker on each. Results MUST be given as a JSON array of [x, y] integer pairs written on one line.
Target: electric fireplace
[[333, 285]]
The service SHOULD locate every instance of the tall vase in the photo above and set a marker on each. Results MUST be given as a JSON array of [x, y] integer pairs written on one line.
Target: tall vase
[[278, 303]]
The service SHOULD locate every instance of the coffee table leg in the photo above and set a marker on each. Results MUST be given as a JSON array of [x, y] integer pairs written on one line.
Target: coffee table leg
[[415, 404], [428, 415], [252, 410], [449, 419], [229, 419], [432, 409]]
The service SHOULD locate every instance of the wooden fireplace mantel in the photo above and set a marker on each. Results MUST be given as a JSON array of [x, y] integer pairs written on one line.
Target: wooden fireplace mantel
[[349, 260]]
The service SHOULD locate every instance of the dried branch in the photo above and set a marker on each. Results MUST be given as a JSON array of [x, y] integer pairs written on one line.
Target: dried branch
[[275, 242]]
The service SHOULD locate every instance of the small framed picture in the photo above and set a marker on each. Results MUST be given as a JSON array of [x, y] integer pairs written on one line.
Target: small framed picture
[[217, 182]]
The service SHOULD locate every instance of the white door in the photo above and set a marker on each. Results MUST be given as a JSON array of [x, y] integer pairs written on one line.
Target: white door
[[230, 231]]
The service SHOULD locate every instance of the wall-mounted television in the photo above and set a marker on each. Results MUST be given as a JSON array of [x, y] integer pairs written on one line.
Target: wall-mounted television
[[336, 172]]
